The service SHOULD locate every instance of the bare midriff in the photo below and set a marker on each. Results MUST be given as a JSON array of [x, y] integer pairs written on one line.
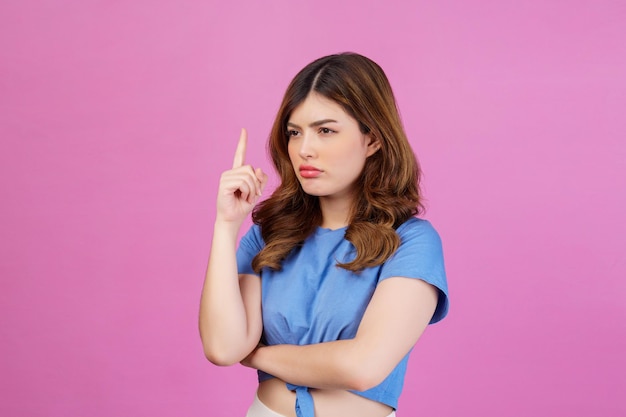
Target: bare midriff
[[328, 403]]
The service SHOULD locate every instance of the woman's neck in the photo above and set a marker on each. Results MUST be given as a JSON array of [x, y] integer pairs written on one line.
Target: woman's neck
[[335, 212]]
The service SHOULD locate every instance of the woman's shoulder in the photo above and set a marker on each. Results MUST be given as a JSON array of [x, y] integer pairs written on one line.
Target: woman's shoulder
[[416, 227]]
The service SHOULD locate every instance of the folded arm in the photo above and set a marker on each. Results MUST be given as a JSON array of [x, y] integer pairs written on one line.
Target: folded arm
[[396, 316]]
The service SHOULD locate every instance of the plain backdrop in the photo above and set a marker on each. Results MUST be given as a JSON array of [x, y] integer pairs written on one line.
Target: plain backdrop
[[117, 118]]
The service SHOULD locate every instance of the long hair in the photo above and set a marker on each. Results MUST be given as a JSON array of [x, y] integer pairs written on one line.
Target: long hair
[[388, 188]]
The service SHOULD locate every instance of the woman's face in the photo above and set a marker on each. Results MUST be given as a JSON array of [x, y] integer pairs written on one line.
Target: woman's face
[[326, 147]]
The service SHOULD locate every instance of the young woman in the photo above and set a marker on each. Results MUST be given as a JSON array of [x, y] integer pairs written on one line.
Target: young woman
[[337, 279]]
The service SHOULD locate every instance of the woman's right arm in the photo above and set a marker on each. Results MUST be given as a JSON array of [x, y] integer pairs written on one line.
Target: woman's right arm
[[230, 307]]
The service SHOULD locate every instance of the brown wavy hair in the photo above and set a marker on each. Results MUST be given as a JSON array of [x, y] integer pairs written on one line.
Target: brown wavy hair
[[388, 188]]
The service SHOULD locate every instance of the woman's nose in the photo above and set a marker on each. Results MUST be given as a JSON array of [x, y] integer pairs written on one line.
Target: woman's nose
[[307, 146]]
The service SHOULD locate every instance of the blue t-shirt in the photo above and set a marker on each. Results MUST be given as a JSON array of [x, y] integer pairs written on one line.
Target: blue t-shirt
[[312, 300]]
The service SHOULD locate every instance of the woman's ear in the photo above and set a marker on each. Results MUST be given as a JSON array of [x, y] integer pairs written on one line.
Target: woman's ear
[[373, 145]]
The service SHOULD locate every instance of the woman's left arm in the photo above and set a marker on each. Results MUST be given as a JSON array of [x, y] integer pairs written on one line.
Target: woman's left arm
[[396, 317]]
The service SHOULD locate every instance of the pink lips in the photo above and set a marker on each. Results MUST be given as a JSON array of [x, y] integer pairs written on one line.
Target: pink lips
[[307, 171]]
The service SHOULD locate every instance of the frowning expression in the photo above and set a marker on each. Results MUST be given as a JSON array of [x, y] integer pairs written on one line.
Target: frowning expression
[[326, 147]]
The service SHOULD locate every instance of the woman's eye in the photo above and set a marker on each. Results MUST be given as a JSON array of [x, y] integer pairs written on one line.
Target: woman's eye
[[292, 133], [325, 130]]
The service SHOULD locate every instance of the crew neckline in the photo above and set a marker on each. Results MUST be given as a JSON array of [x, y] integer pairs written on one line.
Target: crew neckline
[[324, 230]]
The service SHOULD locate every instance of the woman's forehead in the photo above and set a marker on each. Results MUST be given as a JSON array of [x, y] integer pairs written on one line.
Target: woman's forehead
[[317, 108]]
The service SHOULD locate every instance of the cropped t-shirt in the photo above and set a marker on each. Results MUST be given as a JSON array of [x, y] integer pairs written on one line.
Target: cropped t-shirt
[[312, 300]]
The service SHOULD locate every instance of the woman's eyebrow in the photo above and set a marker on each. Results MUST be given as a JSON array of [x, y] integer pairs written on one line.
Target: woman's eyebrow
[[313, 124]]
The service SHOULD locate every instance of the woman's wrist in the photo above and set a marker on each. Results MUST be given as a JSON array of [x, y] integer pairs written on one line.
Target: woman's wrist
[[226, 226]]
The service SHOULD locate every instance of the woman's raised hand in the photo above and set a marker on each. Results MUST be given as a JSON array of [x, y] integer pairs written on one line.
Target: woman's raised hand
[[240, 187]]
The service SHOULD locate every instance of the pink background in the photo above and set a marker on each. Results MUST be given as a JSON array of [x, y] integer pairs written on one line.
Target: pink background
[[116, 119]]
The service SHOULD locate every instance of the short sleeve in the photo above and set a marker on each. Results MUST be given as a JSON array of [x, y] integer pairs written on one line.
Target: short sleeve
[[250, 244], [420, 256]]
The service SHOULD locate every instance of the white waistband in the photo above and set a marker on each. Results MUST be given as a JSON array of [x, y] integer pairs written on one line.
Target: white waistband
[[258, 409]]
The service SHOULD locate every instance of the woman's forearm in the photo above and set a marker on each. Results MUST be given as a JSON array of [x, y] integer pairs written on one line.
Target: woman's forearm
[[332, 365], [225, 325]]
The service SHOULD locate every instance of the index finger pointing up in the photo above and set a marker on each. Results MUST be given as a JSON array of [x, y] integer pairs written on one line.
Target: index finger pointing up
[[240, 153]]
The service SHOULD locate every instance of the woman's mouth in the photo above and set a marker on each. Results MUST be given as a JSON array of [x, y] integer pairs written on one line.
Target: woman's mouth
[[307, 171]]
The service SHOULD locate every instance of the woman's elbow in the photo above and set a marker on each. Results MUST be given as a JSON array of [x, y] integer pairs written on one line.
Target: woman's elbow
[[219, 359], [362, 375], [364, 381], [221, 356]]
